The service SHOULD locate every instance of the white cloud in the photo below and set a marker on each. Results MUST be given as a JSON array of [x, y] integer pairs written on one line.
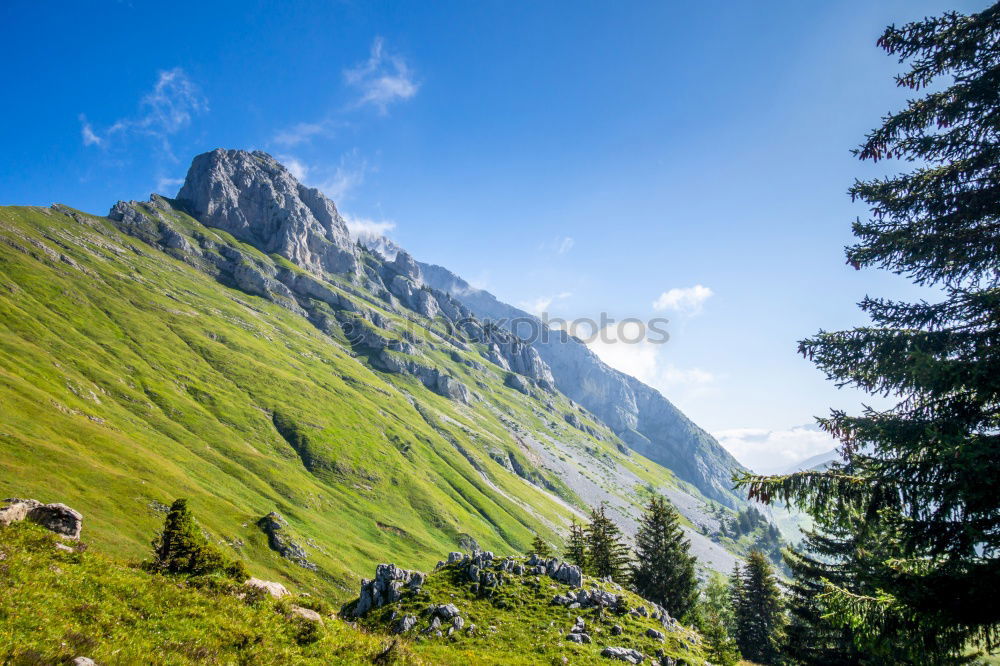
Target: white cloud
[[164, 111], [348, 175], [775, 451], [382, 79], [629, 348], [295, 166], [363, 226], [164, 185], [541, 305], [301, 133], [688, 300], [90, 138], [565, 245]]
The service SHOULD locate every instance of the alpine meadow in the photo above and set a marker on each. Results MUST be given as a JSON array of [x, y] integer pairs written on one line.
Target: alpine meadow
[[475, 342]]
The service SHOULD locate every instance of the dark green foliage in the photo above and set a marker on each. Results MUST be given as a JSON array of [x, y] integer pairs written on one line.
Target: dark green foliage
[[665, 571], [607, 554], [758, 610], [182, 549], [576, 546], [917, 492], [813, 639], [540, 547], [713, 616]]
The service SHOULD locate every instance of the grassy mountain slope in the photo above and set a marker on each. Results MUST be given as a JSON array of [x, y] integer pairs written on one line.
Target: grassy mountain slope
[[519, 624], [129, 378], [58, 605]]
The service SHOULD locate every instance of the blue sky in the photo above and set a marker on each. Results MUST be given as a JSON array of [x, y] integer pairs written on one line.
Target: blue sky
[[674, 159]]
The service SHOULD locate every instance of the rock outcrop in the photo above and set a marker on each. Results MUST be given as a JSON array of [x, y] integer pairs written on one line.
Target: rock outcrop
[[273, 525], [257, 200], [58, 518], [387, 587]]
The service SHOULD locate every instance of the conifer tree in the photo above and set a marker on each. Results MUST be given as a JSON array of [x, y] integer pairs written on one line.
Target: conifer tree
[[758, 611], [576, 546], [714, 618], [540, 547], [181, 548], [922, 474], [607, 554], [664, 571]]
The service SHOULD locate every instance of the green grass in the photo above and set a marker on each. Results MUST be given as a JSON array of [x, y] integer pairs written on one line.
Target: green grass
[[519, 625], [129, 378], [56, 605]]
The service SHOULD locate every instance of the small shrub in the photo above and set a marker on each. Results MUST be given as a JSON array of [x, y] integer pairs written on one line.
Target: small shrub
[[182, 549]]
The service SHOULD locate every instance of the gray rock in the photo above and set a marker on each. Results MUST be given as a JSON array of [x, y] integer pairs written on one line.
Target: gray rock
[[455, 556], [457, 622], [404, 624], [273, 525], [578, 638], [57, 518], [616, 630], [306, 614], [628, 655], [385, 588], [84, 661], [257, 200], [276, 590], [569, 574], [446, 611], [653, 633]]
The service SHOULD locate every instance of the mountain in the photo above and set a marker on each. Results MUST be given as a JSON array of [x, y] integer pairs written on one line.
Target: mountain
[[321, 406], [645, 420], [816, 462]]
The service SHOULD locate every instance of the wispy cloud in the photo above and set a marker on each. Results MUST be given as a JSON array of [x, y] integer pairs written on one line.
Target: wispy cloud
[[90, 138], [628, 347], [297, 167], [346, 177], [163, 111], [775, 451], [302, 133], [165, 185], [565, 245], [363, 226], [687, 300], [382, 79], [541, 305]]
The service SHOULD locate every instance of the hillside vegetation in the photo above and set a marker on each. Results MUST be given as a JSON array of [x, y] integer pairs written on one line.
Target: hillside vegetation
[[129, 377]]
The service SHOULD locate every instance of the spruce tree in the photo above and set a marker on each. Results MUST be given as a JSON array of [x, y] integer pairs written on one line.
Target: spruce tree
[[607, 554], [540, 547], [922, 473], [758, 611], [181, 548], [664, 571], [576, 546], [713, 617]]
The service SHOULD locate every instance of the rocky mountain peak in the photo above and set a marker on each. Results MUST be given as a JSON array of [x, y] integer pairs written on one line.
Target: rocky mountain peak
[[255, 198]]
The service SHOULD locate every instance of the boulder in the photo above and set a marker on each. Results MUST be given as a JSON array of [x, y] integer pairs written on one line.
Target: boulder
[[404, 624], [276, 590], [628, 655], [385, 588], [446, 611], [83, 661], [616, 630], [306, 614], [578, 638], [58, 518], [653, 633], [569, 574]]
